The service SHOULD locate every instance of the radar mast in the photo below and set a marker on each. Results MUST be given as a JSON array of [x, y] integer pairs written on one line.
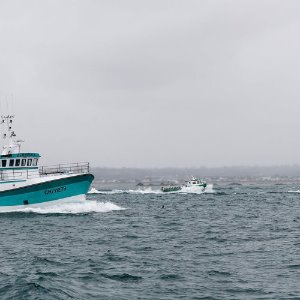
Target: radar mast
[[11, 146]]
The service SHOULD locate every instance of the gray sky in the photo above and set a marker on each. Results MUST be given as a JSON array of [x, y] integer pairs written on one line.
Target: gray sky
[[154, 83]]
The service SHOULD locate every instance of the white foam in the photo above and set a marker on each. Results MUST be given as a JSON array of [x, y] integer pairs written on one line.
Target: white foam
[[141, 191], [296, 192], [87, 206], [209, 189], [138, 191], [94, 191], [145, 191], [109, 192]]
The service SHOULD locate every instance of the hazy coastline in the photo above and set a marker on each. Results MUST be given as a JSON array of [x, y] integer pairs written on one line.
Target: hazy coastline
[[239, 174]]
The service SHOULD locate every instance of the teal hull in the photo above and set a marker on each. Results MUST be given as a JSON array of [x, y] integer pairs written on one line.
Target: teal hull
[[47, 191]]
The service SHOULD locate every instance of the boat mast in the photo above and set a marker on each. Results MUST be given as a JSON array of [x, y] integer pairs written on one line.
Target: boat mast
[[8, 133]]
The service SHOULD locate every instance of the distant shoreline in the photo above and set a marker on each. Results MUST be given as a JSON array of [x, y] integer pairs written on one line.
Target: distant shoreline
[[154, 176]]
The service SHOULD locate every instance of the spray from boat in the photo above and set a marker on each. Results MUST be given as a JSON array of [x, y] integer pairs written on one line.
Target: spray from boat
[[151, 190]]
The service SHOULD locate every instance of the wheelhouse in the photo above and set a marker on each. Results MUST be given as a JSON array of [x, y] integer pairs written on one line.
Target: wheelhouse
[[19, 161]]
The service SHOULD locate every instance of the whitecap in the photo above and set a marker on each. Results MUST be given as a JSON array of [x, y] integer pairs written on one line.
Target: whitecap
[[94, 191], [296, 192], [82, 207]]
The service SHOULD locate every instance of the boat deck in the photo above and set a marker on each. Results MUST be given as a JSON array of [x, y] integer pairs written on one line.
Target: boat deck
[[73, 168]]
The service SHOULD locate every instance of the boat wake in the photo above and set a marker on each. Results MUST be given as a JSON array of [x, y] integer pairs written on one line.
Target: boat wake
[[144, 191], [208, 190], [84, 207], [94, 191], [295, 192]]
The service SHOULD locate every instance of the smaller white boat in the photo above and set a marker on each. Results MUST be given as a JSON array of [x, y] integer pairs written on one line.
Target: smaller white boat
[[190, 186]]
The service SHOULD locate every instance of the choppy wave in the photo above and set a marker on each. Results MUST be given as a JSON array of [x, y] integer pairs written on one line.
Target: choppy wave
[[84, 255], [83, 207]]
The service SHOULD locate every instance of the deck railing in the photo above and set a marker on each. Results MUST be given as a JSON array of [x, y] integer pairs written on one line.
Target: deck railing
[[75, 168], [11, 175]]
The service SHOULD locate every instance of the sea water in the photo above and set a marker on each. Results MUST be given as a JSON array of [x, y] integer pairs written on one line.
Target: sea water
[[234, 242]]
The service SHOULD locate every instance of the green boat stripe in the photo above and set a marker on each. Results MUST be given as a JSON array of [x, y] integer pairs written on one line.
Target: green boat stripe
[[18, 168], [20, 155]]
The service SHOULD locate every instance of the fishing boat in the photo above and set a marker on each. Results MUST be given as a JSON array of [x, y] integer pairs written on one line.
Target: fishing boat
[[24, 184], [191, 186]]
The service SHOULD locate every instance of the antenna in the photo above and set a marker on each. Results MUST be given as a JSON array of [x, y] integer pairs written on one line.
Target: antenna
[[10, 147], [19, 144]]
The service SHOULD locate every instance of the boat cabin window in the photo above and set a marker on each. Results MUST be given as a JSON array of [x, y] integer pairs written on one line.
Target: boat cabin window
[[17, 162], [11, 162], [23, 162], [35, 161], [3, 163], [29, 162]]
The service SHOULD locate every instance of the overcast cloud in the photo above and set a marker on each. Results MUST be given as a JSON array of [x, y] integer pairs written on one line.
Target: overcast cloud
[[154, 83]]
